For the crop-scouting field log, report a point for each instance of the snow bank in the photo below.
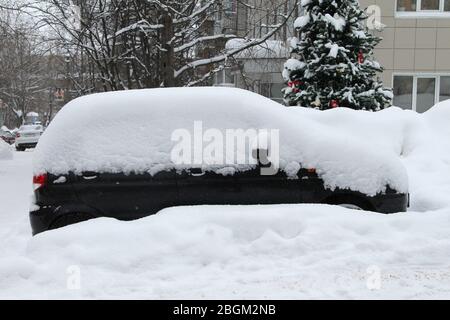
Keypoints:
(5, 151)
(285, 251)
(131, 131)
(420, 141)
(252, 252)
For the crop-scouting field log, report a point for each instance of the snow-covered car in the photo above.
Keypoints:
(86, 165)
(28, 136)
(7, 136)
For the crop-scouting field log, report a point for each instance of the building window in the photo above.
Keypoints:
(426, 94)
(229, 7)
(430, 5)
(225, 77)
(403, 91)
(420, 92)
(406, 5)
(424, 8)
(444, 88)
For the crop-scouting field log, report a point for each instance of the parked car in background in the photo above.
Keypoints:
(97, 171)
(32, 118)
(28, 136)
(7, 136)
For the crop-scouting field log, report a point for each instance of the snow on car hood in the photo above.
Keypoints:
(130, 131)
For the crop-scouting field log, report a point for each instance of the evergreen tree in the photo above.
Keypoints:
(331, 64)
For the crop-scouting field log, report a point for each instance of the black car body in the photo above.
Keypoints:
(63, 200)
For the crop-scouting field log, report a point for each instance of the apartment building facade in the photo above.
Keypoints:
(257, 69)
(415, 50)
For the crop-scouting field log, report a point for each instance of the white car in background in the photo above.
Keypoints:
(28, 136)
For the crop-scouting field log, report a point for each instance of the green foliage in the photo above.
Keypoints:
(331, 62)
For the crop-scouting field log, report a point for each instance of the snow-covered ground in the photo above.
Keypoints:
(283, 251)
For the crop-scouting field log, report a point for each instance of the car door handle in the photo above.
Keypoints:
(90, 175)
(198, 174)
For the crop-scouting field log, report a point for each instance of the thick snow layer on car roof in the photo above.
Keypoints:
(130, 131)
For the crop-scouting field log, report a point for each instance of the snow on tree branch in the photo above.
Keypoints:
(202, 39)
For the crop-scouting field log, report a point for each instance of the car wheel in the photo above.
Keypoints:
(70, 218)
(350, 202)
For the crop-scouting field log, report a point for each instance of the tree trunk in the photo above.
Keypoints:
(167, 57)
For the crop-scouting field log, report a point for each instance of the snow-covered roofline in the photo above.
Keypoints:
(270, 49)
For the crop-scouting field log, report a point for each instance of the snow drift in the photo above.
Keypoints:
(5, 151)
(284, 252)
(260, 252)
(420, 141)
(130, 131)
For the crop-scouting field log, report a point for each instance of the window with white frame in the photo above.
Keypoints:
(225, 77)
(229, 7)
(432, 8)
(421, 91)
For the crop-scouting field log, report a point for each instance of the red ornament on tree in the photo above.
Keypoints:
(360, 57)
(334, 103)
(294, 85)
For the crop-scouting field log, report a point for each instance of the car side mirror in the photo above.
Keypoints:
(265, 150)
(262, 157)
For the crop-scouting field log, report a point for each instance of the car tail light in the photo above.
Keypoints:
(311, 170)
(39, 181)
